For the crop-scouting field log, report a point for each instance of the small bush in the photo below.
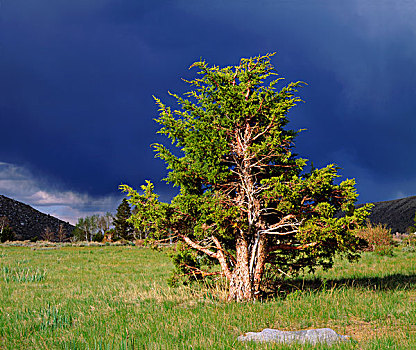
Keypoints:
(7, 234)
(378, 237)
(98, 237)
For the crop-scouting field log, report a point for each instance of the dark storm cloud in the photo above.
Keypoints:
(358, 59)
(72, 90)
(375, 68)
(76, 80)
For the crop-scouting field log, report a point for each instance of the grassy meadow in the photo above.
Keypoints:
(118, 298)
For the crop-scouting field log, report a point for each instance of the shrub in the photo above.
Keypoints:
(378, 237)
(7, 234)
(98, 237)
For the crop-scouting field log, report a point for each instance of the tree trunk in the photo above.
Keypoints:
(245, 284)
(241, 285)
(260, 264)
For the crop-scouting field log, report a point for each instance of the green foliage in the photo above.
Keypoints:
(123, 228)
(92, 228)
(98, 237)
(240, 180)
(186, 265)
(78, 233)
(151, 217)
(86, 228)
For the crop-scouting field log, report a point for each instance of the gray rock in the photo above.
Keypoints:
(311, 336)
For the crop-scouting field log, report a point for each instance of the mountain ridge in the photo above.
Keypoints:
(29, 223)
(396, 214)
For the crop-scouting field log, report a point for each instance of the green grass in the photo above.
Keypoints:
(118, 298)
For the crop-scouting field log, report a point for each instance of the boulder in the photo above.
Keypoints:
(311, 336)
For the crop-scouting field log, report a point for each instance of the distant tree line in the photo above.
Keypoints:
(93, 228)
(107, 227)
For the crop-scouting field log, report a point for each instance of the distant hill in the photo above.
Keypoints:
(397, 214)
(29, 223)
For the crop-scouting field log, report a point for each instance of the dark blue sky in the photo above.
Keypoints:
(77, 79)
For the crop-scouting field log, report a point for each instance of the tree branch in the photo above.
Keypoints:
(290, 247)
(196, 271)
(221, 258)
(199, 247)
(282, 224)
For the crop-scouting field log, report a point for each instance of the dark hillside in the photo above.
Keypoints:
(397, 214)
(29, 223)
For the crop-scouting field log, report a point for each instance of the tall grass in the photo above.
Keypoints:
(118, 298)
(22, 274)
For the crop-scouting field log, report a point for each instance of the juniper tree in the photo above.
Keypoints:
(246, 200)
(123, 228)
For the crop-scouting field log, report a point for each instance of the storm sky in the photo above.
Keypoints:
(77, 79)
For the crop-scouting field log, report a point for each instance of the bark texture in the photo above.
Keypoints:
(241, 286)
